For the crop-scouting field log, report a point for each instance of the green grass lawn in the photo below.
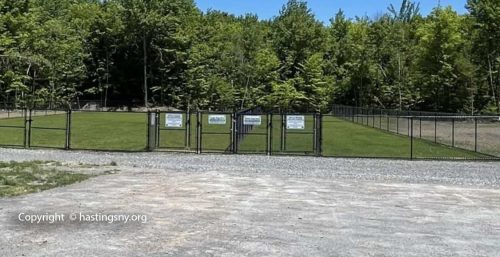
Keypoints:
(30, 177)
(346, 139)
(215, 138)
(12, 131)
(109, 131)
(128, 132)
(96, 131)
(341, 138)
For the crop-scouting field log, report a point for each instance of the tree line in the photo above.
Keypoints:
(168, 52)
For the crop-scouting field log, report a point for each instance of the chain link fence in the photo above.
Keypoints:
(346, 132)
(477, 134)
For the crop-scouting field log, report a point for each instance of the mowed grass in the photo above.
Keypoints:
(30, 177)
(342, 138)
(12, 131)
(89, 130)
(346, 139)
(128, 132)
(215, 138)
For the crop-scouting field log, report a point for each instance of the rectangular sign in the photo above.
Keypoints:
(217, 119)
(173, 120)
(295, 122)
(253, 120)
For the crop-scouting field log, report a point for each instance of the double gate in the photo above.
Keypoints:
(250, 132)
(240, 133)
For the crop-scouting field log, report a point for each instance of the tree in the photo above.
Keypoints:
(105, 32)
(284, 96)
(296, 36)
(169, 53)
(315, 88)
(153, 31)
(486, 20)
(442, 47)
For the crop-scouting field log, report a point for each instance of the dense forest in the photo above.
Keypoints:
(169, 53)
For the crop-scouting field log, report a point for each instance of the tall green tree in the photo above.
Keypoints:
(296, 36)
(442, 53)
(486, 37)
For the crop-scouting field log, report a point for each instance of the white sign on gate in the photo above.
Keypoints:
(295, 122)
(173, 120)
(253, 120)
(217, 119)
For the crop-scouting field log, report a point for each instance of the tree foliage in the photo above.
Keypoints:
(167, 52)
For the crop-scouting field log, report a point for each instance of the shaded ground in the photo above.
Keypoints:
(259, 206)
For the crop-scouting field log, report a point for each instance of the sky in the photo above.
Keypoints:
(323, 9)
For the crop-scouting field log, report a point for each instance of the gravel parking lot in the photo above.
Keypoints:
(226, 205)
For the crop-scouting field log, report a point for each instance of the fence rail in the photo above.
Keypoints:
(346, 132)
(480, 134)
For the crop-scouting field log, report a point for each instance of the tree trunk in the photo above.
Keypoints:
(144, 49)
(107, 80)
(399, 83)
(246, 92)
(493, 89)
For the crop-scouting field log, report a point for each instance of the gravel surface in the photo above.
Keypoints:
(225, 205)
(483, 174)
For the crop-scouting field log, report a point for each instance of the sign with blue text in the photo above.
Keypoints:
(252, 120)
(173, 120)
(295, 122)
(217, 119)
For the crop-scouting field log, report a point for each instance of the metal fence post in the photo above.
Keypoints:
(25, 114)
(453, 132)
(435, 128)
(68, 130)
(411, 139)
(367, 117)
(187, 134)
(388, 123)
(315, 133)
(380, 120)
(30, 121)
(282, 133)
(233, 137)
(199, 132)
(420, 124)
(269, 134)
(397, 123)
(148, 130)
(320, 139)
(157, 118)
(408, 114)
(152, 128)
(373, 118)
(475, 134)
